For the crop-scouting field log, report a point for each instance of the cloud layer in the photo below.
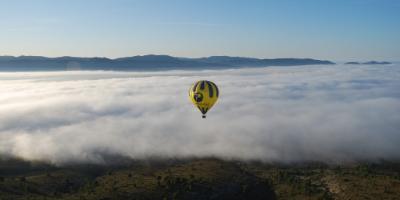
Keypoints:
(309, 113)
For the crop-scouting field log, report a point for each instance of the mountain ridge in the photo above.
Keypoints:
(145, 62)
(373, 62)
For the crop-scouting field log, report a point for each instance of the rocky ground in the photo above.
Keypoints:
(198, 179)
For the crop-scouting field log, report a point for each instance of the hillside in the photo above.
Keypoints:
(198, 179)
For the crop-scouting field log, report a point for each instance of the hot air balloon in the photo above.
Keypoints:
(203, 95)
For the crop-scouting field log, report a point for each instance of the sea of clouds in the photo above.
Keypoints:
(329, 113)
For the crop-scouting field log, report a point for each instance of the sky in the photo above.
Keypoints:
(340, 30)
(340, 114)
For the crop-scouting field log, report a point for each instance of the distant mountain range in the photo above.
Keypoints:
(146, 62)
(368, 63)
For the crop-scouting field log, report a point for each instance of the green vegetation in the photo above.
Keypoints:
(198, 179)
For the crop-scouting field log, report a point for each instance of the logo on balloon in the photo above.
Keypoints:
(198, 97)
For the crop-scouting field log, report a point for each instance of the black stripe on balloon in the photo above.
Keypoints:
(202, 85)
(210, 90)
(195, 86)
(200, 109)
(216, 89)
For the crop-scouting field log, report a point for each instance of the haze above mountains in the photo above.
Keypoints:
(146, 62)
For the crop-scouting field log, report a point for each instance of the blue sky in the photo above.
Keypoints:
(324, 29)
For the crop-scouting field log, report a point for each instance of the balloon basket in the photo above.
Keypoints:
(203, 116)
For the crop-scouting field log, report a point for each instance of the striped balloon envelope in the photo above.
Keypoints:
(203, 95)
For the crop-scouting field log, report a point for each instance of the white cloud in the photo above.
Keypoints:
(321, 113)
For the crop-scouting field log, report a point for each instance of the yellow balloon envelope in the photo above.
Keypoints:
(203, 95)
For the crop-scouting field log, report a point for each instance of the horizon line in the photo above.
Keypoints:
(140, 55)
